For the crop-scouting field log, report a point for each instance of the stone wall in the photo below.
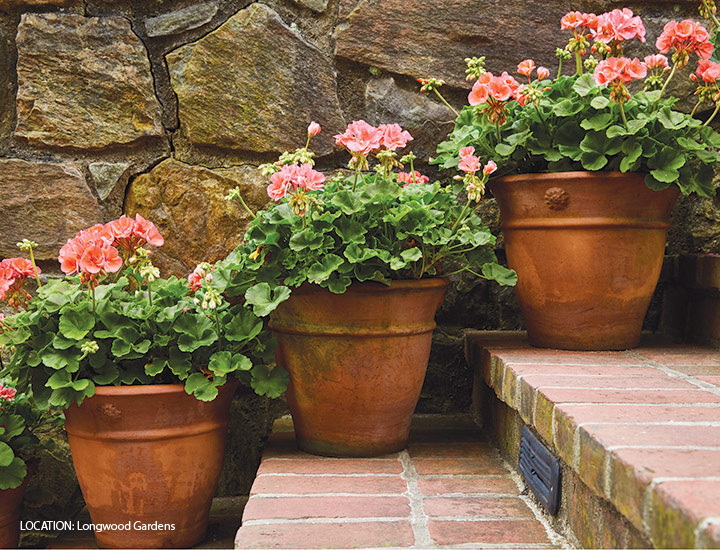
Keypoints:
(159, 107)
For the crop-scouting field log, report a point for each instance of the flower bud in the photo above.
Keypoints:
(313, 129)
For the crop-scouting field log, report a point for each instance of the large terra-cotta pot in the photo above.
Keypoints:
(148, 456)
(357, 362)
(588, 248)
(10, 505)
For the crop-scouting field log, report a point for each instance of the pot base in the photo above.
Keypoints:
(357, 450)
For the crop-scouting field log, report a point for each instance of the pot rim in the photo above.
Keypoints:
(373, 286)
(564, 176)
(148, 389)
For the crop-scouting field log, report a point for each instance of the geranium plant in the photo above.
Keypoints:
(113, 321)
(613, 114)
(362, 225)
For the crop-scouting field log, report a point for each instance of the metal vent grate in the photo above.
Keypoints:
(541, 470)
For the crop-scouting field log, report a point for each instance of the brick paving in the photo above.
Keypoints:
(641, 428)
(449, 489)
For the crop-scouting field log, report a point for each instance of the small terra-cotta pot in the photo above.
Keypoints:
(357, 363)
(588, 248)
(10, 505)
(148, 456)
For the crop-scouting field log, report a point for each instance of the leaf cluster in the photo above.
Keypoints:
(576, 126)
(68, 342)
(362, 228)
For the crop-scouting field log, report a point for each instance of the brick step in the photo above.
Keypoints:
(449, 489)
(638, 433)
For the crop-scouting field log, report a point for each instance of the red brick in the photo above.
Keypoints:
(581, 414)
(477, 466)
(695, 370)
(633, 469)
(331, 466)
(677, 509)
(478, 485)
(487, 532)
(591, 467)
(612, 435)
(562, 395)
(543, 418)
(536, 356)
(653, 381)
(570, 370)
(684, 356)
(715, 379)
(456, 450)
(368, 485)
(326, 507)
(396, 534)
(477, 507)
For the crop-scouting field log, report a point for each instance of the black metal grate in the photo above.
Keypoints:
(541, 470)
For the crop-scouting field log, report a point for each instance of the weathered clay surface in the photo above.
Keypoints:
(424, 39)
(44, 202)
(83, 82)
(181, 20)
(254, 84)
(187, 204)
(428, 122)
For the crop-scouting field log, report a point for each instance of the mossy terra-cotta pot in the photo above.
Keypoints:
(357, 363)
(588, 248)
(10, 504)
(147, 457)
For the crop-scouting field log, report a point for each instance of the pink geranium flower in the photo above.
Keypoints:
(489, 168)
(99, 259)
(7, 393)
(620, 25)
(685, 37)
(407, 177)
(360, 137)
(576, 19)
(465, 151)
(656, 61)
(526, 67)
(469, 164)
(543, 73)
(394, 137)
(707, 70)
(308, 178)
(147, 230)
(313, 129)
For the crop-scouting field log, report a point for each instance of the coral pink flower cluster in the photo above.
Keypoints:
(616, 25)
(489, 87)
(94, 251)
(407, 178)
(619, 70)
(13, 272)
(685, 37)
(7, 393)
(707, 71)
(292, 177)
(656, 61)
(199, 275)
(361, 138)
(470, 164)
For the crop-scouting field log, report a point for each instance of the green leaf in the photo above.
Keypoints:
(350, 231)
(503, 275)
(202, 388)
(14, 425)
(584, 85)
(672, 120)
(61, 359)
(243, 327)
(264, 300)
(271, 382)
(76, 321)
(13, 475)
(598, 122)
(6, 454)
(156, 366)
(321, 270)
(347, 201)
(412, 254)
(306, 240)
(633, 150)
(599, 102)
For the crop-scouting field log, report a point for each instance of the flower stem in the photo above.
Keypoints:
(622, 112)
(445, 102)
(692, 113)
(92, 296)
(712, 116)
(150, 293)
(669, 78)
(559, 68)
(242, 201)
(35, 270)
(497, 127)
(578, 64)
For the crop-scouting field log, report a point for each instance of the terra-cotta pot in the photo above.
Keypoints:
(588, 248)
(148, 460)
(10, 504)
(357, 362)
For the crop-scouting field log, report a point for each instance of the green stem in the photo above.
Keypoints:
(92, 296)
(445, 102)
(217, 324)
(497, 127)
(622, 112)
(692, 113)
(559, 68)
(242, 201)
(357, 173)
(35, 270)
(460, 217)
(537, 109)
(669, 78)
(412, 170)
(578, 64)
(712, 116)
(150, 293)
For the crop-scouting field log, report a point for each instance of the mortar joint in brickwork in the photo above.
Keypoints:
(418, 517)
